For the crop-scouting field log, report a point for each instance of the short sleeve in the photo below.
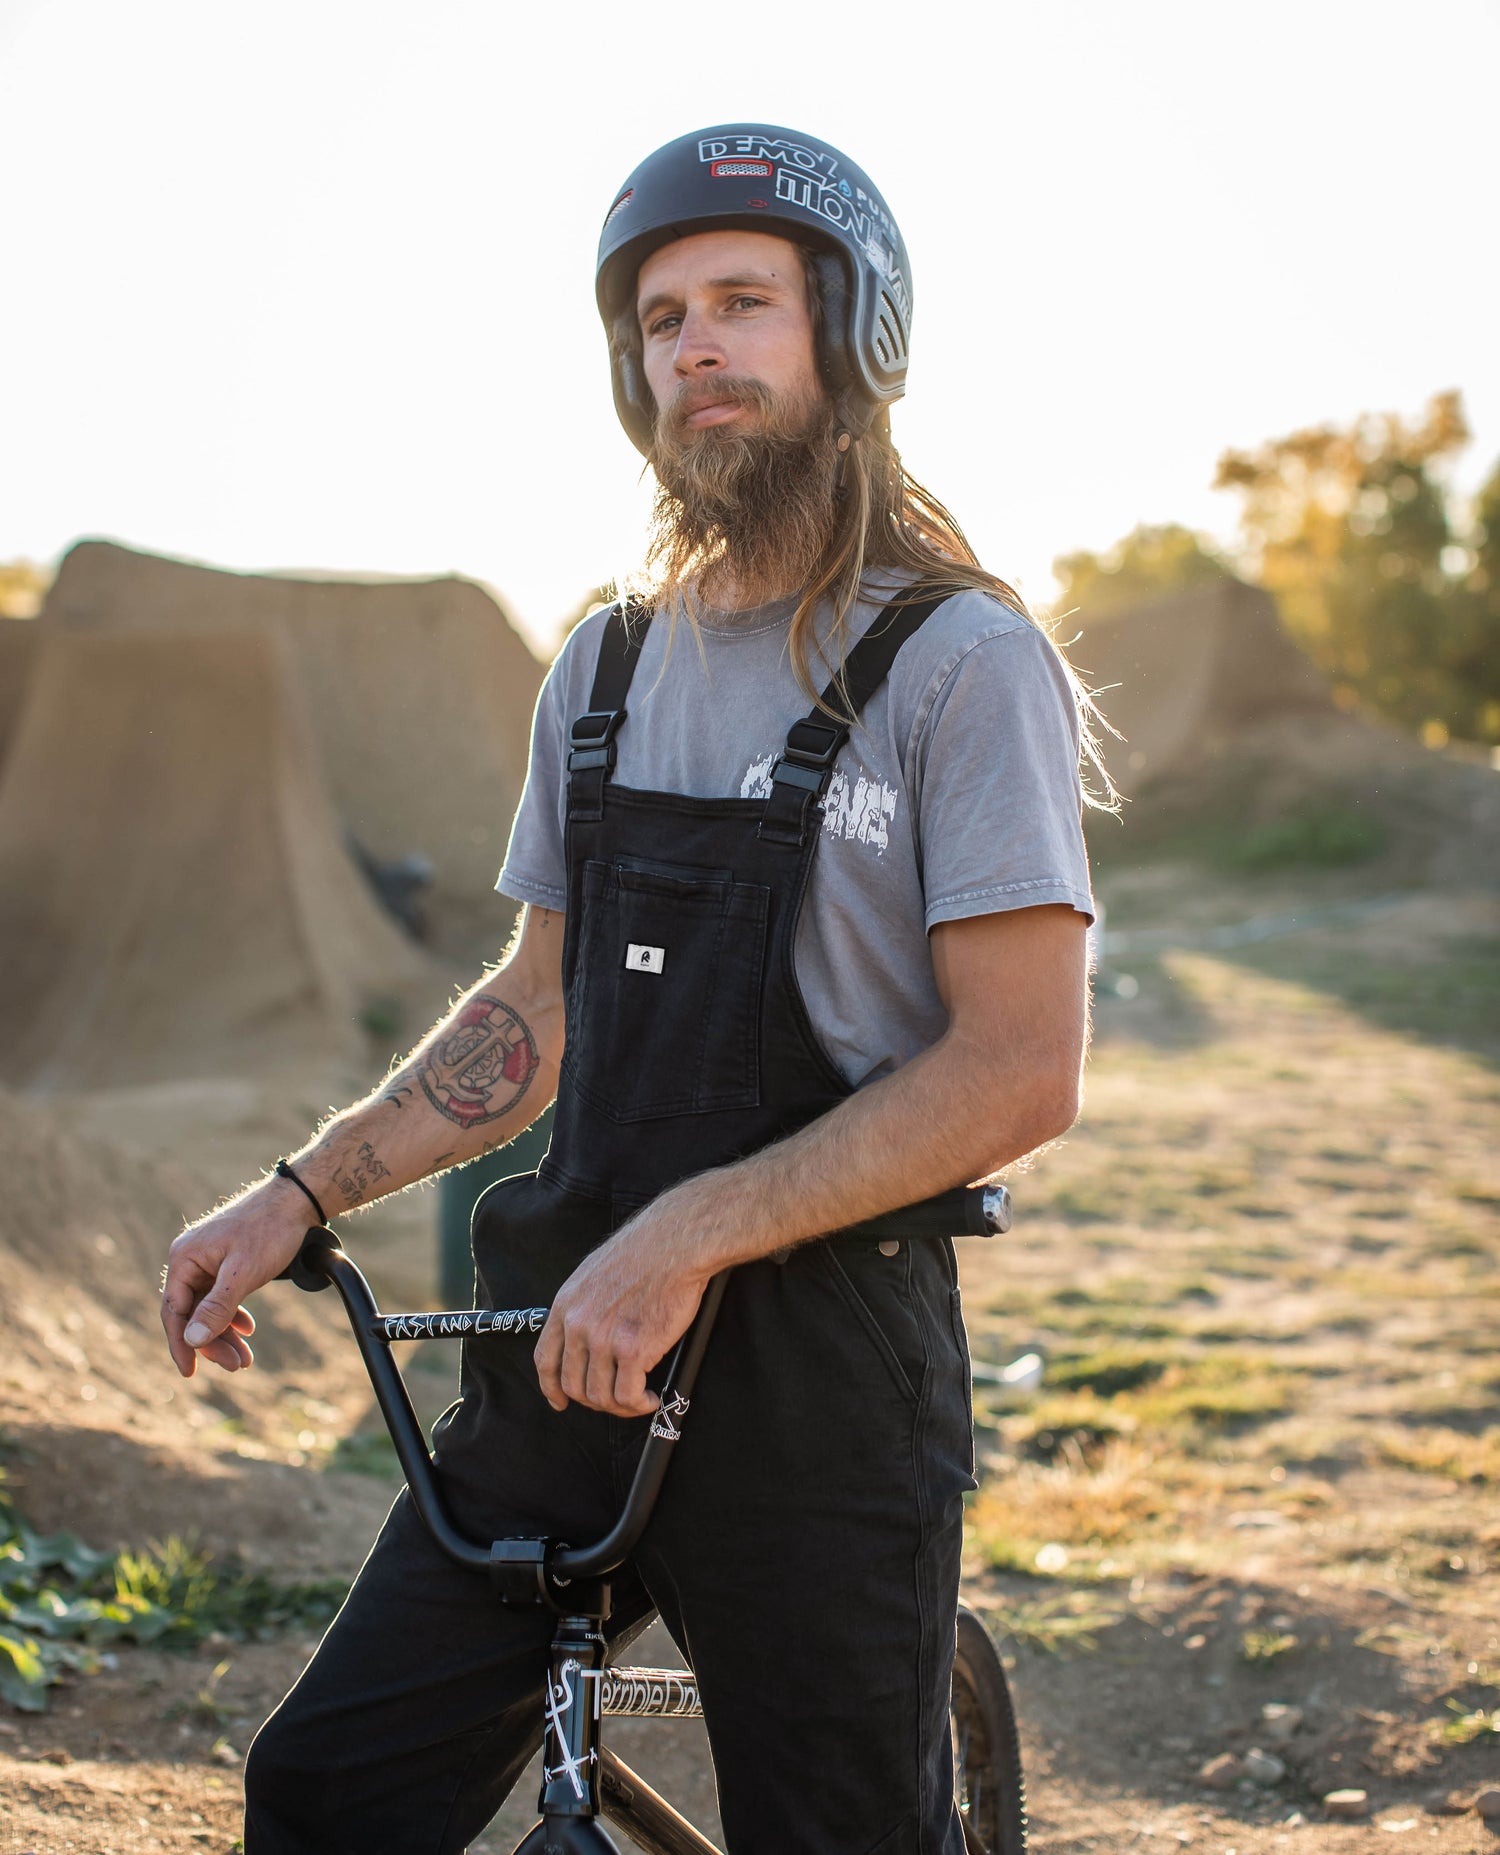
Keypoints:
(535, 868)
(998, 800)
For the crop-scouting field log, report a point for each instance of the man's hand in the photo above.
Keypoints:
(619, 1312)
(1001, 1081)
(219, 1261)
(482, 1075)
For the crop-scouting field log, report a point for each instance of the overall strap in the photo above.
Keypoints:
(800, 776)
(591, 745)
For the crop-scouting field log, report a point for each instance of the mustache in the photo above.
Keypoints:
(694, 395)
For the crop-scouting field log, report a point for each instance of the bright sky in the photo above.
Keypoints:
(309, 283)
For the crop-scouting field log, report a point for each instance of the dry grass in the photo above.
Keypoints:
(1068, 1503)
(1264, 1262)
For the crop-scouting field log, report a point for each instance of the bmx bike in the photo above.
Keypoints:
(581, 1778)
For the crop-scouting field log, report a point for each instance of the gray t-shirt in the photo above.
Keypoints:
(957, 795)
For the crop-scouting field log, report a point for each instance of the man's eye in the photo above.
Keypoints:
(747, 302)
(663, 325)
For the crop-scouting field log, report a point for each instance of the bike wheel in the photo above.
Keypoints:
(986, 1747)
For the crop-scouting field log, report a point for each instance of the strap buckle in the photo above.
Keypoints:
(813, 743)
(811, 748)
(592, 740)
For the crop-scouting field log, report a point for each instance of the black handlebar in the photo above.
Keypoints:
(531, 1570)
(966, 1211)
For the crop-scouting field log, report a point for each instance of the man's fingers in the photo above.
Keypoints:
(217, 1311)
(179, 1299)
(599, 1383)
(574, 1372)
(632, 1399)
(228, 1351)
(548, 1358)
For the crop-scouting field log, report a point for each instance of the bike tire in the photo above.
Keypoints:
(989, 1789)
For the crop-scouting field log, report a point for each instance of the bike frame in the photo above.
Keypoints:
(579, 1778)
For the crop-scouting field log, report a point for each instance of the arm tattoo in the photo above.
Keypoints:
(394, 1094)
(481, 1068)
(358, 1177)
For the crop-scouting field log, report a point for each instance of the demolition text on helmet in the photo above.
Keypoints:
(767, 148)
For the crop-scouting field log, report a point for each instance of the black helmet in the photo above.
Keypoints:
(770, 180)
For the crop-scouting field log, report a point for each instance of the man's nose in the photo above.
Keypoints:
(698, 350)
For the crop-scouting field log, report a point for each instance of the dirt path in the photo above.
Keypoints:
(1261, 1474)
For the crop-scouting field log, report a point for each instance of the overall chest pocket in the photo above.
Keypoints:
(664, 998)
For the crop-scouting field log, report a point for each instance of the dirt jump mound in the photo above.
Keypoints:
(1180, 675)
(175, 898)
(419, 694)
(18, 641)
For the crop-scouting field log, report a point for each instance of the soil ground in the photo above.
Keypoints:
(1261, 1471)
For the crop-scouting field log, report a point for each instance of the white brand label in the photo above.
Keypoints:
(645, 959)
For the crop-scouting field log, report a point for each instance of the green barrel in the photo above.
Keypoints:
(457, 1192)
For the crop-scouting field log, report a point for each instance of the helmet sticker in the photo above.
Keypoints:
(623, 201)
(808, 177)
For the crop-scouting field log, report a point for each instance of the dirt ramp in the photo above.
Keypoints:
(1182, 674)
(18, 642)
(102, 1435)
(420, 694)
(175, 899)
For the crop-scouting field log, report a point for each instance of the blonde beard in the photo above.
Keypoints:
(740, 518)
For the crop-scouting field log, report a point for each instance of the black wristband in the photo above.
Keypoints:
(284, 1171)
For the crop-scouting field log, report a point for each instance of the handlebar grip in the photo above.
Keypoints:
(966, 1211)
(306, 1268)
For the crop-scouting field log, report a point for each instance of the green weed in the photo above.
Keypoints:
(1437, 1450)
(1464, 1728)
(1219, 1392)
(369, 1452)
(1261, 1648)
(1071, 1620)
(205, 1708)
(1107, 1372)
(61, 1602)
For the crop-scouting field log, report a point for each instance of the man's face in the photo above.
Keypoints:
(720, 312)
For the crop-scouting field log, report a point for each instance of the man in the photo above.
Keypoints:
(782, 975)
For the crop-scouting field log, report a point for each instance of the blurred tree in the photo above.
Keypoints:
(1354, 532)
(1149, 563)
(1483, 587)
(23, 587)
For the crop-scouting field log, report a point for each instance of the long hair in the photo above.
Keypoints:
(884, 523)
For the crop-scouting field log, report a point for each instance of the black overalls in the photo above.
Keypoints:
(805, 1549)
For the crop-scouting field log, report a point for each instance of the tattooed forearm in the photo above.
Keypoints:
(359, 1178)
(482, 1067)
(396, 1094)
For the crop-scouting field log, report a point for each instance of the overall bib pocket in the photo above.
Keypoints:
(664, 996)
